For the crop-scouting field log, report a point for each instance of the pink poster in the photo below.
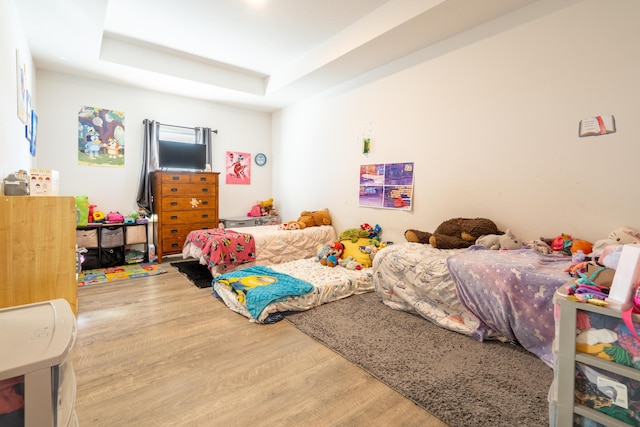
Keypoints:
(238, 168)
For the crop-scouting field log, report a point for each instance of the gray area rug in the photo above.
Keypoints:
(463, 382)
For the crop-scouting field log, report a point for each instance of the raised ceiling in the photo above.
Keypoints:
(261, 54)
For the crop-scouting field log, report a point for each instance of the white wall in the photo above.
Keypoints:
(60, 99)
(14, 147)
(492, 129)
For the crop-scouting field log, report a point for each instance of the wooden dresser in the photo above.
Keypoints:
(37, 250)
(182, 202)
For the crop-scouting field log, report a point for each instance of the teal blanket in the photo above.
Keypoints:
(256, 287)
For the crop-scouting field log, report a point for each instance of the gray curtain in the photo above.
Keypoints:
(204, 137)
(149, 164)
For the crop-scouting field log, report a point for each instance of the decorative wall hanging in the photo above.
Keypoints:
(21, 76)
(100, 137)
(386, 185)
(27, 123)
(238, 168)
(599, 125)
(34, 133)
(261, 159)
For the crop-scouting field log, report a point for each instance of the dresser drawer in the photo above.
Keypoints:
(190, 217)
(188, 190)
(175, 236)
(168, 178)
(185, 204)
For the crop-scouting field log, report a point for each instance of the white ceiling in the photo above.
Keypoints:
(262, 54)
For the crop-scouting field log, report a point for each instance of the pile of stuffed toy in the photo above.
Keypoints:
(355, 249)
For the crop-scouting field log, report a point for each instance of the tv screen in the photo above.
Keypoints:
(181, 155)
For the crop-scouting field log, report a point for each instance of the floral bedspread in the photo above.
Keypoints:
(223, 248)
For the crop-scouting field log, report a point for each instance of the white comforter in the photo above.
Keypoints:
(330, 284)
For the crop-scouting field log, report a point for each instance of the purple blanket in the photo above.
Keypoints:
(511, 292)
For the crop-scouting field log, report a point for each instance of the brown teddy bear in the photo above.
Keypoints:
(455, 233)
(311, 219)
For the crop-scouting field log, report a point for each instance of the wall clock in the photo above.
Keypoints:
(261, 159)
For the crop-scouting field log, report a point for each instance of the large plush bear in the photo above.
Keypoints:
(315, 218)
(455, 233)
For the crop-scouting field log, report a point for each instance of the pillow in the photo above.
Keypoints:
(353, 249)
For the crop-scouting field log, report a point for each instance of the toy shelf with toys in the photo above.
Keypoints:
(113, 244)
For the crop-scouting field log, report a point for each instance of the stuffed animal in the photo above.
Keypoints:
(292, 225)
(267, 209)
(350, 263)
(353, 234)
(255, 210)
(455, 233)
(500, 241)
(332, 254)
(311, 219)
(374, 232)
(568, 245)
(620, 236)
(322, 252)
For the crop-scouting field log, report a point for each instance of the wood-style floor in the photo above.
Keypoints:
(158, 351)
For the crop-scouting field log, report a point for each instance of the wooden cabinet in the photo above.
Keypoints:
(182, 202)
(37, 250)
(566, 358)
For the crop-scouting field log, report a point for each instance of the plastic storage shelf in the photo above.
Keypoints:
(566, 408)
(35, 348)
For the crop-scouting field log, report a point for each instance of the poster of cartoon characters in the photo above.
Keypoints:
(100, 137)
(238, 168)
(386, 185)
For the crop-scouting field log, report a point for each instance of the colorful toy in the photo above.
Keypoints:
(90, 216)
(353, 234)
(332, 254)
(567, 244)
(98, 216)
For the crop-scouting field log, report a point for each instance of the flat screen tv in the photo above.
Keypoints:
(181, 155)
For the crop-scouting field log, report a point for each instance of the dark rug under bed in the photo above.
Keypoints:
(463, 382)
(197, 273)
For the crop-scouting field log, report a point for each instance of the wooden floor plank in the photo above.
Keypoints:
(157, 351)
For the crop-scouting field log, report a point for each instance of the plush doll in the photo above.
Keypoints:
(500, 241)
(353, 234)
(255, 210)
(292, 225)
(455, 233)
(321, 217)
(620, 236)
(568, 245)
(332, 254)
(311, 219)
(350, 263)
(266, 208)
